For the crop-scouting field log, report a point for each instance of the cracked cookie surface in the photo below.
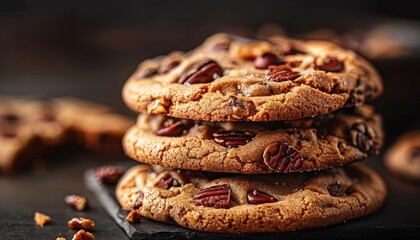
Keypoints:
(403, 158)
(251, 203)
(309, 144)
(229, 78)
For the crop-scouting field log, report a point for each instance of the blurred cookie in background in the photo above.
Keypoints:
(33, 128)
(403, 158)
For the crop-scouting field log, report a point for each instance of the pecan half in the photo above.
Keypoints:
(76, 202)
(81, 223)
(281, 73)
(282, 158)
(83, 235)
(204, 71)
(109, 173)
(332, 64)
(232, 138)
(257, 197)
(216, 196)
(362, 137)
(174, 128)
(266, 59)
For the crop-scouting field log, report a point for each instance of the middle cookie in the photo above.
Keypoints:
(310, 144)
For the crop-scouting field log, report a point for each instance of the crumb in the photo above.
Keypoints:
(41, 219)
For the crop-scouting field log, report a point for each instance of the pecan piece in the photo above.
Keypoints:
(266, 59)
(204, 71)
(81, 223)
(362, 137)
(158, 106)
(282, 158)
(332, 64)
(281, 73)
(139, 200)
(216, 196)
(76, 202)
(258, 197)
(232, 138)
(171, 128)
(41, 219)
(133, 216)
(169, 182)
(83, 235)
(109, 173)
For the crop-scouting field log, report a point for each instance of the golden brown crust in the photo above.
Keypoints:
(302, 200)
(246, 93)
(323, 142)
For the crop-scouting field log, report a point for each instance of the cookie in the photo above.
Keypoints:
(31, 128)
(251, 203)
(229, 78)
(27, 128)
(94, 126)
(403, 158)
(309, 144)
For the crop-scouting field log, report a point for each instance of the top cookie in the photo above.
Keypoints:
(229, 78)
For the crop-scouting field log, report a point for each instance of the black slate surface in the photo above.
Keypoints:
(399, 217)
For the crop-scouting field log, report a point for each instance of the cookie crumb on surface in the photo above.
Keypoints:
(41, 219)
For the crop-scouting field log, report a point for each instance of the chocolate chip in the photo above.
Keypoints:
(233, 138)
(204, 71)
(282, 158)
(216, 196)
(361, 136)
(257, 197)
(336, 190)
(266, 59)
(169, 182)
(331, 65)
(168, 67)
(281, 73)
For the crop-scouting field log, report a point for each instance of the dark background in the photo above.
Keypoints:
(88, 49)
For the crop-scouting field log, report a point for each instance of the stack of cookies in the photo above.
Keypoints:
(252, 136)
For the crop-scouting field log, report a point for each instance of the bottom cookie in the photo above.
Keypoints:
(403, 158)
(251, 203)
